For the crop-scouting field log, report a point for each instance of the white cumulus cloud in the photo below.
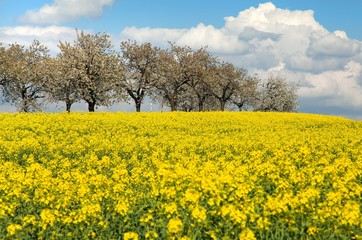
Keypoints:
(340, 87)
(65, 10)
(49, 36)
(267, 39)
(263, 39)
(256, 33)
(333, 45)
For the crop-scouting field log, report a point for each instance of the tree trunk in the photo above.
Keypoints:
(138, 105)
(222, 105)
(173, 103)
(91, 106)
(25, 108)
(137, 97)
(201, 106)
(201, 100)
(239, 105)
(173, 107)
(24, 99)
(68, 105)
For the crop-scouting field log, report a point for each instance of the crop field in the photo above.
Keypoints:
(180, 176)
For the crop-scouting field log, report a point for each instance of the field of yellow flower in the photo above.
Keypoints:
(180, 176)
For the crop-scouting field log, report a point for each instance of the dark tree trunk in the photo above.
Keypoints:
(172, 99)
(68, 105)
(91, 106)
(137, 97)
(173, 107)
(201, 100)
(222, 105)
(138, 105)
(201, 106)
(24, 99)
(239, 105)
(173, 104)
(92, 100)
(25, 108)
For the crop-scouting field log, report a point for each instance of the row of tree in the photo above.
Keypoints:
(89, 69)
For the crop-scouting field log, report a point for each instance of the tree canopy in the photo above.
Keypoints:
(91, 70)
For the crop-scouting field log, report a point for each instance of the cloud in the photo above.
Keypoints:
(251, 33)
(148, 34)
(267, 39)
(340, 87)
(65, 10)
(262, 32)
(333, 45)
(49, 36)
(217, 40)
(263, 39)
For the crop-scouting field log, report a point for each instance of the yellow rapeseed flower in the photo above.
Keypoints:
(174, 225)
(247, 234)
(199, 213)
(165, 175)
(130, 236)
(13, 228)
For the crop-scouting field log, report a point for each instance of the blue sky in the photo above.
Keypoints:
(333, 15)
(317, 43)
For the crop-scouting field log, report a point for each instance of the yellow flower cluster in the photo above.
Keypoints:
(176, 175)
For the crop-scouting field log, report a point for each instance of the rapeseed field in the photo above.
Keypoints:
(180, 176)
